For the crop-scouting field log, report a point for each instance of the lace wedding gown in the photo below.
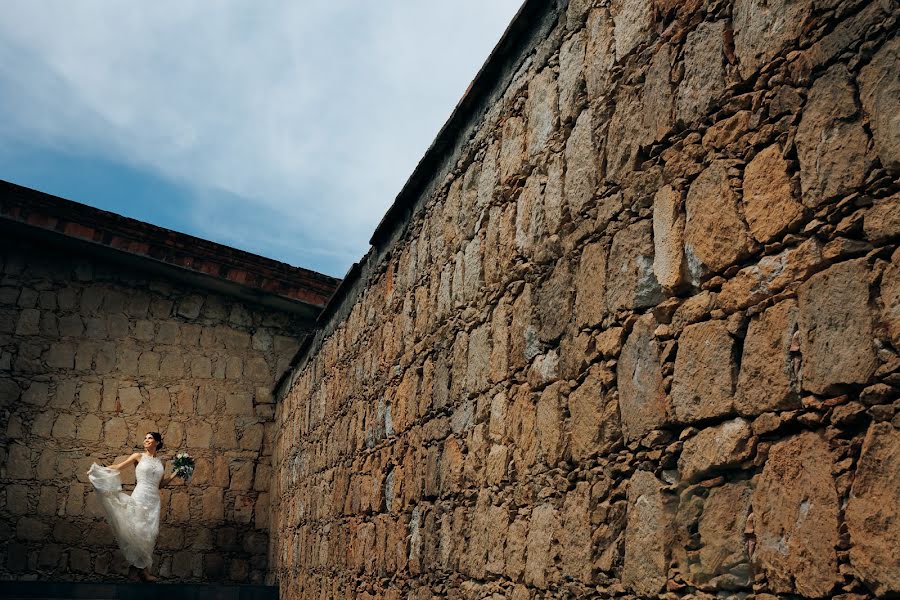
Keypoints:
(134, 519)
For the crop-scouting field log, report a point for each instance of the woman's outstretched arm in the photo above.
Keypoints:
(134, 458)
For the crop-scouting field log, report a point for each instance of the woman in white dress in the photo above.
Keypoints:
(134, 519)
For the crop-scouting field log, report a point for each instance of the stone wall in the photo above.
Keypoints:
(92, 356)
(639, 336)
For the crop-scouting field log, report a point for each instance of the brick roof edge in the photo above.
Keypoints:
(111, 233)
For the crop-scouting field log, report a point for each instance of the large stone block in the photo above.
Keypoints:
(542, 111)
(768, 380)
(705, 373)
(600, 54)
(879, 90)
(594, 412)
(539, 562)
(716, 448)
(631, 282)
(571, 76)
(723, 561)
(590, 285)
(642, 397)
(763, 28)
(582, 170)
(554, 303)
(795, 509)
(633, 20)
(668, 238)
(648, 535)
(704, 71)
(831, 144)
(873, 511)
(836, 329)
(890, 299)
(769, 204)
(715, 236)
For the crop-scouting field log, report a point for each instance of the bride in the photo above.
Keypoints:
(134, 519)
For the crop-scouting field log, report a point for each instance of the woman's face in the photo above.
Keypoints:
(149, 442)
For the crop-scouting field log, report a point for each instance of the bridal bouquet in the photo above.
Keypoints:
(183, 465)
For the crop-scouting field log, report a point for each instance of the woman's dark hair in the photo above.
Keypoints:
(158, 438)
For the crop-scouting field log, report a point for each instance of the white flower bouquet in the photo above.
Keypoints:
(183, 465)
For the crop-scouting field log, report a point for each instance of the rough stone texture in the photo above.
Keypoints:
(704, 71)
(763, 28)
(646, 424)
(769, 204)
(715, 236)
(836, 328)
(703, 387)
(795, 510)
(642, 397)
(647, 536)
(872, 513)
(630, 266)
(154, 357)
(831, 143)
(725, 445)
(768, 379)
(879, 91)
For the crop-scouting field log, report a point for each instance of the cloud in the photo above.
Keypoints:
(290, 123)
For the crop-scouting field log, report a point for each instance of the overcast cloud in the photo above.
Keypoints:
(284, 128)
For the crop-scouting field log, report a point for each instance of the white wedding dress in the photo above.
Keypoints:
(134, 519)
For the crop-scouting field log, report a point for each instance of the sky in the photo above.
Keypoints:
(283, 128)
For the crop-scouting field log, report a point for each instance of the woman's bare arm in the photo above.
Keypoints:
(134, 458)
(166, 480)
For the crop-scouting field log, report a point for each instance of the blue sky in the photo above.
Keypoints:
(281, 128)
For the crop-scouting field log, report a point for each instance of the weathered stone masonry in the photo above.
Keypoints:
(630, 329)
(110, 328)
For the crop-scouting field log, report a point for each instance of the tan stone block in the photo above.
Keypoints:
(172, 365)
(183, 397)
(831, 145)
(882, 220)
(541, 110)
(648, 535)
(499, 360)
(631, 282)
(548, 424)
(871, 514)
(115, 432)
(594, 416)
(199, 434)
(879, 91)
(575, 546)
(179, 507)
(257, 369)
(48, 500)
(723, 557)
(495, 465)
(243, 509)
(715, 448)
(571, 76)
(771, 275)
(769, 204)
(482, 182)
(703, 386)
(582, 168)
(668, 238)
(234, 367)
(554, 302)
(590, 285)
(762, 29)
(767, 379)
(512, 147)
(130, 399)
(89, 428)
(836, 328)
(600, 55)
(642, 397)
(633, 21)
(795, 510)
(715, 236)
(213, 505)
(703, 81)
(241, 475)
(539, 568)
(148, 364)
(89, 396)
(75, 499)
(64, 427)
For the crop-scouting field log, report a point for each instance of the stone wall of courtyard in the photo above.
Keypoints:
(638, 335)
(92, 356)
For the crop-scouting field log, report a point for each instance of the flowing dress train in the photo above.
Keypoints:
(134, 519)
